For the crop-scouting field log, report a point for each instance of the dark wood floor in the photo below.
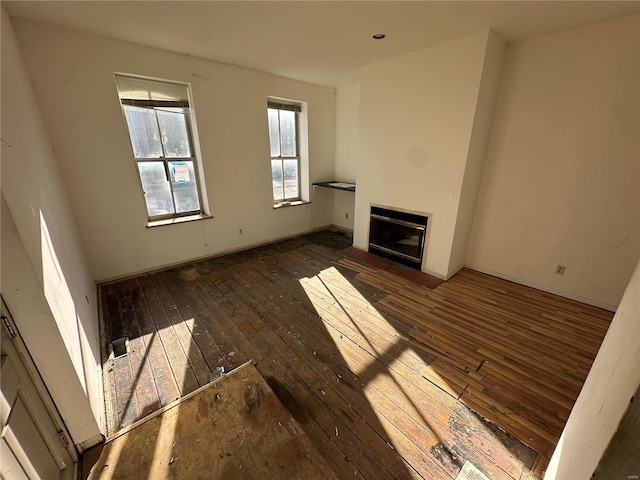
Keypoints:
(388, 379)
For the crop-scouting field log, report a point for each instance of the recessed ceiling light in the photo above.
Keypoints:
(379, 36)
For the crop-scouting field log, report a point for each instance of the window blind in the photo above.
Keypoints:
(294, 107)
(146, 92)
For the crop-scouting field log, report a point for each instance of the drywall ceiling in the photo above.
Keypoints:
(322, 42)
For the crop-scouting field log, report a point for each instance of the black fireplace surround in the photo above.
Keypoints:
(396, 235)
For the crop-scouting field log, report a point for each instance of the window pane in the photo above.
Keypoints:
(173, 127)
(157, 192)
(288, 133)
(277, 180)
(143, 131)
(185, 191)
(290, 179)
(274, 132)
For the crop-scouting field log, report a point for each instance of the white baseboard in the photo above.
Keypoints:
(435, 274)
(333, 226)
(454, 271)
(220, 253)
(441, 276)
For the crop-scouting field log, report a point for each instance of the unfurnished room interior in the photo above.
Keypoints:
(318, 239)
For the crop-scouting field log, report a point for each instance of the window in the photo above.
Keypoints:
(285, 151)
(158, 119)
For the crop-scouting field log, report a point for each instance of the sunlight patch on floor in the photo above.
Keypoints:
(389, 372)
(338, 319)
(160, 466)
(183, 363)
(349, 319)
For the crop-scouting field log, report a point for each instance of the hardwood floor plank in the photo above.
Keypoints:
(143, 382)
(178, 361)
(342, 465)
(155, 355)
(489, 322)
(343, 345)
(126, 399)
(428, 407)
(373, 357)
(539, 439)
(503, 376)
(353, 398)
(114, 328)
(304, 361)
(183, 332)
(107, 309)
(252, 346)
(194, 315)
(358, 453)
(317, 420)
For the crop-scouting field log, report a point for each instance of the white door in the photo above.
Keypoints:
(31, 445)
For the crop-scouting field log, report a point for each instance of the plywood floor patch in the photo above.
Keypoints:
(234, 428)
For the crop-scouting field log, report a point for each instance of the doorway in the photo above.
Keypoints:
(34, 443)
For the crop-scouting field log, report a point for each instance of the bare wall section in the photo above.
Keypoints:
(72, 75)
(561, 183)
(45, 278)
(346, 156)
(482, 122)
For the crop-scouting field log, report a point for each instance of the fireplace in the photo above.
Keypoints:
(396, 235)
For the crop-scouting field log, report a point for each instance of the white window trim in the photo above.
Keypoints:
(196, 157)
(302, 141)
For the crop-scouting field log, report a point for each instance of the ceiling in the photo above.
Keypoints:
(321, 42)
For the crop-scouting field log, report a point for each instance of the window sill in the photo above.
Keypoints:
(291, 204)
(172, 221)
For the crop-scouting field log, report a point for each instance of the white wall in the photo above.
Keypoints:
(561, 183)
(347, 152)
(604, 398)
(482, 122)
(72, 75)
(417, 114)
(45, 279)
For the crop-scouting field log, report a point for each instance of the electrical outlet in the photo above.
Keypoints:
(240, 231)
(560, 269)
(346, 215)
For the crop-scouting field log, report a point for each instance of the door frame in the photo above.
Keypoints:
(25, 357)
